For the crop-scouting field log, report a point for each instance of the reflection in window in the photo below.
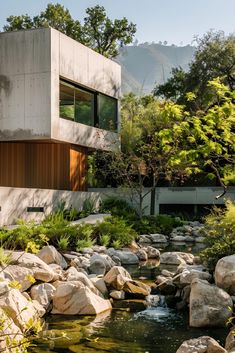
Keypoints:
(66, 101)
(107, 112)
(89, 108)
(84, 107)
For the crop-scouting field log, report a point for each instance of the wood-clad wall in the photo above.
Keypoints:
(43, 165)
(78, 168)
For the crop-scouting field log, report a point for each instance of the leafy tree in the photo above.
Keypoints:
(214, 57)
(164, 140)
(105, 35)
(98, 32)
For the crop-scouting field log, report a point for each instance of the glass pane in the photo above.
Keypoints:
(107, 113)
(66, 102)
(84, 107)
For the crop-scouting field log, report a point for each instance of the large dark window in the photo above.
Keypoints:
(107, 107)
(86, 107)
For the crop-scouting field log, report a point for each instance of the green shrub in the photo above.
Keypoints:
(117, 230)
(26, 235)
(85, 236)
(117, 207)
(219, 234)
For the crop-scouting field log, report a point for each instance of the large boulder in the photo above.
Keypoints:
(136, 290)
(153, 253)
(50, 255)
(158, 238)
(20, 274)
(100, 264)
(19, 309)
(225, 274)
(204, 344)
(72, 275)
(176, 258)
(188, 275)
(10, 331)
(209, 305)
(40, 270)
(73, 298)
(117, 277)
(125, 256)
(43, 293)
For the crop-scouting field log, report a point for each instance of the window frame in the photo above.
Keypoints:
(96, 95)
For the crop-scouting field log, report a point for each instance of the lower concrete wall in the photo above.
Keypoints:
(172, 196)
(14, 202)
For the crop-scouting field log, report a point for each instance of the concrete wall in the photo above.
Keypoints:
(31, 64)
(15, 201)
(25, 88)
(79, 64)
(172, 195)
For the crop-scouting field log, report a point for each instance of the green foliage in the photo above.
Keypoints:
(27, 235)
(5, 258)
(214, 57)
(105, 240)
(219, 234)
(63, 243)
(117, 207)
(117, 230)
(84, 238)
(105, 35)
(154, 224)
(98, 32)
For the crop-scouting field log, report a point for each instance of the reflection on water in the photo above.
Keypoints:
(154, 330)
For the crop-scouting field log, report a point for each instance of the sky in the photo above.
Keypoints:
(174, 21)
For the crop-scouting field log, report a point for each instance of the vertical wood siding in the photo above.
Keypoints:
(43, 165)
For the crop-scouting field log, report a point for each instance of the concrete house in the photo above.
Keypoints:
(58, 102)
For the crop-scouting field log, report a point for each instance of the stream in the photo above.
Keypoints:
(157, 329)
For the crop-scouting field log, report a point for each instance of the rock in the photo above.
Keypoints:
(189, 239)
(165, 285)
(136, 290)
(142, 255)
(153, 253)
(19, 274)
(200, 239)
(100, 264)
(73, 275)
(167, 273)
(57, 269)
(117, 277)
(158, 238)
(176, 258)
(230, 342)
(179, 238)
(19, 309)
(208, 305)
(73, 298)
(117, 294)
(50, 255)
(126, 257)
(99, 283)
(144, 239)
(10, 330)
(41, 271)
(43, 293)
(171, 258)
(225, 274)
(81, 262)
(92, 219)
(188, 275)
(204, 344)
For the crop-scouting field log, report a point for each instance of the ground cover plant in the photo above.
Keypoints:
(219, 234)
